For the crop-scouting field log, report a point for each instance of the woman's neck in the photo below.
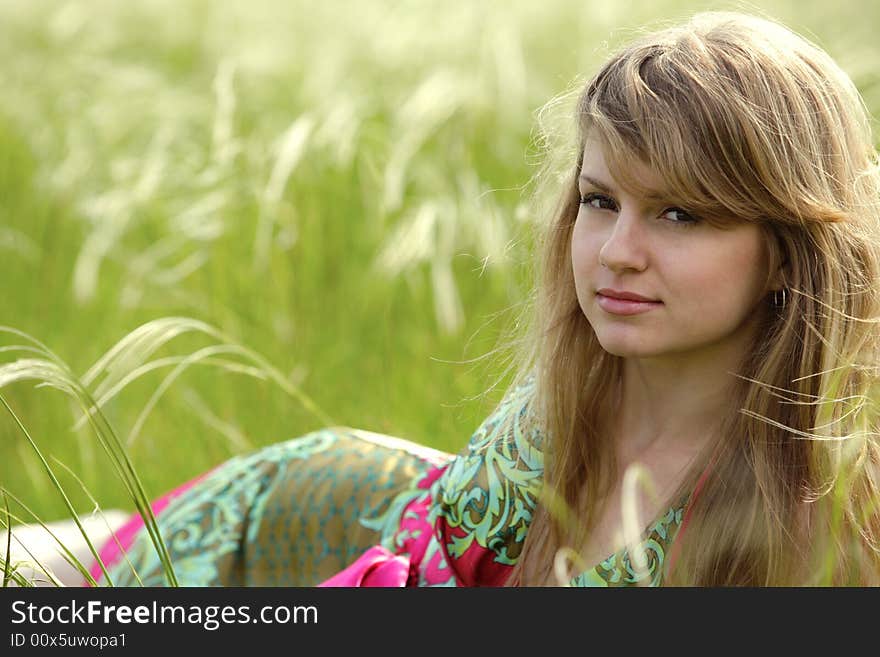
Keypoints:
(671, 406)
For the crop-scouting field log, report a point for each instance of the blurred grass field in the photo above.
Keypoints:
(340, 187)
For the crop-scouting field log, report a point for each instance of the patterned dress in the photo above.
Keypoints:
(345, 507)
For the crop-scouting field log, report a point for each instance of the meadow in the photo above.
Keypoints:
(335, 200)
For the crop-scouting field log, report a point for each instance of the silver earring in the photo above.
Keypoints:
(780, 298)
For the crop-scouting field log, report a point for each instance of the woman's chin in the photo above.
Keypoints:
(626, 348)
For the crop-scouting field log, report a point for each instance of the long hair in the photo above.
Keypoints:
(745, 122)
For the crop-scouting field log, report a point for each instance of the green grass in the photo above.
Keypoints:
(341, 188)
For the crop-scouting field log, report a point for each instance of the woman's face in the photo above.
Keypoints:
(704, 283)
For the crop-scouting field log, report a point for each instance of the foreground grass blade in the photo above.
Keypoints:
(52, 371)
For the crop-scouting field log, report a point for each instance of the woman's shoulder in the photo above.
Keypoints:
(488, 493)
(512, 427)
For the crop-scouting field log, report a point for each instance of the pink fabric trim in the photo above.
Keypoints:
(375, 567)
(477, 565)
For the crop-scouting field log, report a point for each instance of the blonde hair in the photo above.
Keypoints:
(745, 122)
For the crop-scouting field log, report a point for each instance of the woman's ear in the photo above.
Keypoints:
(779, 277)
(779, 274)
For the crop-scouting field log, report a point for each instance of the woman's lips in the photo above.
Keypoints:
(625, 306)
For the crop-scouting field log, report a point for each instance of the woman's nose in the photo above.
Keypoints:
(625, 246)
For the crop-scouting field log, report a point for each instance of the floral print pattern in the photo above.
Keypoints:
(301, 511)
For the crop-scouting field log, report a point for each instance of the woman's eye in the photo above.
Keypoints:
(598, 201)
(679, 216)
(674, 215)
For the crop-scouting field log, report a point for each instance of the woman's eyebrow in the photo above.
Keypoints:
(598, 184)
(595, 183)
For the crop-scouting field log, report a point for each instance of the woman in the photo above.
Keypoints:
(702, 356)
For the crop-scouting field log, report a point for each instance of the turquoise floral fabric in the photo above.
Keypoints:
(297, 512)
(487, 497)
